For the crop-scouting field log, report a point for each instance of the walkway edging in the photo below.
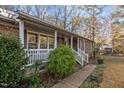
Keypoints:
(77, 78)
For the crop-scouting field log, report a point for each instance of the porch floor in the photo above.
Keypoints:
(76, 79)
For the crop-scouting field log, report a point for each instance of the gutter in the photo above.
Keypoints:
(7, 19)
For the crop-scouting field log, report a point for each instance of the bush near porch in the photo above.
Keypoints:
(12, 59)
(61, 61)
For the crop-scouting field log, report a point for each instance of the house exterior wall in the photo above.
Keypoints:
(60, 40)
(8, 30)
(82, 44)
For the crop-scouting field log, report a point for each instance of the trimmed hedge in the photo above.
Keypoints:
(12, 59)
(61, 61)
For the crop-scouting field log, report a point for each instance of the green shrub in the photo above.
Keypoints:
(61, 61)
(12, 60)
(35, 80)
(100, 60)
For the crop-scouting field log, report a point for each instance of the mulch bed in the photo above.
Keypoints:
(48, 80)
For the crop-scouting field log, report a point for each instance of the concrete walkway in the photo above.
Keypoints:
(76, 79)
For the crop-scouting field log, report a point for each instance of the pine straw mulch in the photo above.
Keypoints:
(113, 76)
(48, 80)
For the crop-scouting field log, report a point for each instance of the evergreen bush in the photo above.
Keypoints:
(12, 60)
(61, 61)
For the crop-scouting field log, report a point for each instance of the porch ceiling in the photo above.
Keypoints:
(43, 29)
(38, 28)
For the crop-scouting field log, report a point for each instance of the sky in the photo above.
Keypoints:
(108, 10)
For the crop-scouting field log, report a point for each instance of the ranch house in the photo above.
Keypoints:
(39, 37)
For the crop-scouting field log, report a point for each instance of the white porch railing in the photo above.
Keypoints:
(78, 57)
(84, 56)
(36, 54)
(42, 54)
(81, 56)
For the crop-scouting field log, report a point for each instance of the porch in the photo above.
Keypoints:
(39, 45)
(39, 40)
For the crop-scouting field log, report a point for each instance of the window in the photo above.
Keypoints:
(51, 42)
(32, 41)
(43, 42)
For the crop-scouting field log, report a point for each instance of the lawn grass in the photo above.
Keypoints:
(95, 78)
(113, 65)
(114, 59)
(113, 74)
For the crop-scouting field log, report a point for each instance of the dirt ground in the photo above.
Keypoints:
(113, 76)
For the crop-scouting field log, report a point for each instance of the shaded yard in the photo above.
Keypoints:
(113, 75)
(108, 75)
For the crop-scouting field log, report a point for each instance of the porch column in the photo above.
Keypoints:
(66, 40)
(55, 39)
(71, 41)
(27, 39)
(84, 45)
(78, 39)
(48, 42)
(80, 44)
(38, 41)
(21, 31)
